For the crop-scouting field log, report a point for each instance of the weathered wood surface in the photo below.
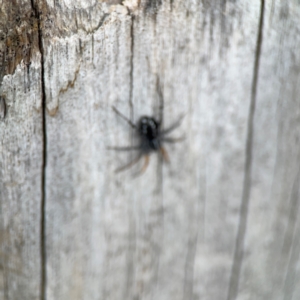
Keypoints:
(21, 153)
(221, 221)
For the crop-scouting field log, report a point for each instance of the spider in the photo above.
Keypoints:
(151, 137)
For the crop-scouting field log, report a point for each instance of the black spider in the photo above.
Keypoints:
(151, 138)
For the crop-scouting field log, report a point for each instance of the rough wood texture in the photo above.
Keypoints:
(271, 262)
(21, 153)
(20, 184)
(221, 221)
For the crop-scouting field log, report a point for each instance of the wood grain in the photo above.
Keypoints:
(221, 220)
(20, 184)
(171, 232)
(272, 240)
(21, 149)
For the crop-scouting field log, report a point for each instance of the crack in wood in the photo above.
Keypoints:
(43, 253)
(242, 227)
(131, 74)
(129, 289)
(2, 108)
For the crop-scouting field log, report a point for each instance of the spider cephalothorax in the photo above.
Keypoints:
(149, 134)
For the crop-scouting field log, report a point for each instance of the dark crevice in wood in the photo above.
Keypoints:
(44, 158)
(242, 227)
(2, 108)
(131, 73)
(132, 230)
(291, 242)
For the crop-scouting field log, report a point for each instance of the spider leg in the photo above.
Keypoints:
(172, 140)
(124, 148)
(173, 126)
(164, 154)
(161, 101)
(133, 162)
(125, 118)
(146, 163)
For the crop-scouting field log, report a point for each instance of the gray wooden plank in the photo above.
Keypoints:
(202, 191)
(272, 243)
(85, 73)
(170, 233)
(21, 153)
